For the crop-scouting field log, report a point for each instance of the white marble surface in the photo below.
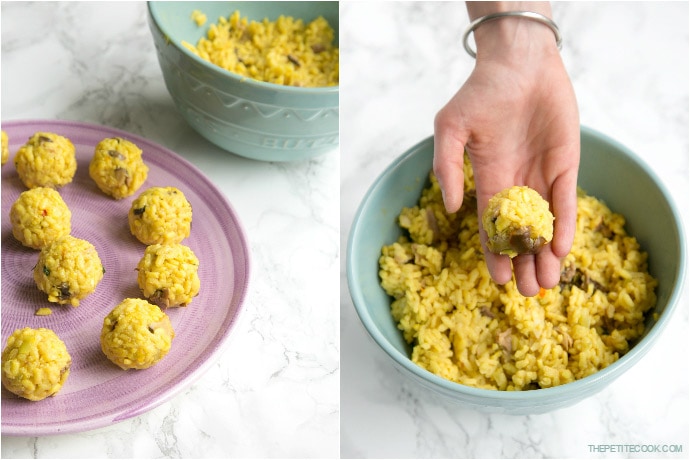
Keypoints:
(274, 391)
(400, 64)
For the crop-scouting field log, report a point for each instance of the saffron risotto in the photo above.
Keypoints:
(464, 327)
(286, 51)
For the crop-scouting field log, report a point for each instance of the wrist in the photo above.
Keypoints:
(478, 9)
(516, 36)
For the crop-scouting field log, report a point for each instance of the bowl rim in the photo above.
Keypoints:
(534, 397)
(223, 73)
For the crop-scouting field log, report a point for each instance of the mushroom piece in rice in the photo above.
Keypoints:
(136, 334)
(68, 270)
(167, 275)
(35, 363)
(117, 167)
(517, 220)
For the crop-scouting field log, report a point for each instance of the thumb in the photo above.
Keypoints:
(449, 149)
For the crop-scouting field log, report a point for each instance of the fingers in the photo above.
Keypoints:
(500, 267)
(548, 268)
(564, 202)
(532, 272)
(450, 177)
(449, 151)
(526, 274)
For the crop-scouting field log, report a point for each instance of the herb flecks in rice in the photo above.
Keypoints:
(286, 51)
(136, 334)
(68, 270)
(160, 215)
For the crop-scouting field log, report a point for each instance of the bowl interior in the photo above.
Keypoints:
(251, 118)
(175, 18)
(607, 171)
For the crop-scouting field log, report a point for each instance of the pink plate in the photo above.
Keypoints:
(98, 393)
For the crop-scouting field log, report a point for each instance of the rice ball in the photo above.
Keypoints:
(35, 363)
(160, 215)
(167, 275)
(136, 334)
(517, 220)
(40, 216)
(68, 270)
(117, 167)
(46, 160)
(5, 148)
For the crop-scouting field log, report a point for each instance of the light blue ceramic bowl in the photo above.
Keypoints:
(635, 192)
(258, 120)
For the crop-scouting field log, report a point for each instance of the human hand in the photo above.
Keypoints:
(517, 117)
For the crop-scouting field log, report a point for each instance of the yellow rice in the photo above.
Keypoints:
(464, 327)
(136, 334)
(40, 216)
(68, 270)
(160, 215)
(286, 51)
(5, 148)
(35, 363)
(199, 18)
(46, 160)
(517, 220)
(167, 275)
(117, 167)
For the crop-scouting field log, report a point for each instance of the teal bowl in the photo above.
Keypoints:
(253, 119)
(636, 193)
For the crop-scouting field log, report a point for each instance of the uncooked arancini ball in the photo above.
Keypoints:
(136, 334)
(117, 167)
(68, 270)
(46, 160)
(167, 275)
(517, 220)
(35, 363)
(40, 216)
(160, 215)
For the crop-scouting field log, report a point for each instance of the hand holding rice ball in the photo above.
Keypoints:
(517, 221)
(117, 167)
(46, 160)
(68, 270)
(160, 215)
(35, 363)
(136, 334)
(40, 216)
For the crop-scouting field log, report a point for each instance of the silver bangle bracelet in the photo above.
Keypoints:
(504, 14)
